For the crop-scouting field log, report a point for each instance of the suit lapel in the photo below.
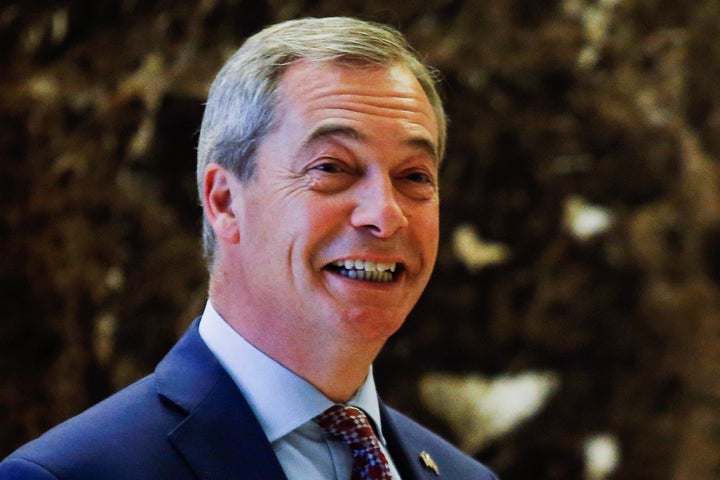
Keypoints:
(404, 449)
(220, 438)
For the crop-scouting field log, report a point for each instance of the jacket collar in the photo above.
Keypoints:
(407, 451)
(220, 438)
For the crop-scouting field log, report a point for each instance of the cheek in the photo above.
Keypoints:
(428, 229)
(315, 224)
(321, 215)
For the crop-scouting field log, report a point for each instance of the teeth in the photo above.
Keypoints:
(366, 265)
(372, 276)
(366, 270)
(381, 267)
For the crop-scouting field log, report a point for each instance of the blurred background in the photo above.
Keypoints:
(572, 326)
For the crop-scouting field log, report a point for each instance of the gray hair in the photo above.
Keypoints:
(242, 99)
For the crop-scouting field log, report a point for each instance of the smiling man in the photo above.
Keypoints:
(318, 174)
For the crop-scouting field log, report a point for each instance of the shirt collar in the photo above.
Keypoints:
(281, 400)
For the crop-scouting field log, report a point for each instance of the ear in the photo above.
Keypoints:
(220, 187)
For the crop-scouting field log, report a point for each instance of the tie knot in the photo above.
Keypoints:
(351, 425)
(348, 424)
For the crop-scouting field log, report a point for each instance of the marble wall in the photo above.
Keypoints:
(574, 317)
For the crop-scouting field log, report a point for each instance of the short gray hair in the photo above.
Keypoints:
(243, 97)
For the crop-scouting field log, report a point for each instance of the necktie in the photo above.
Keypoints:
(350, 425)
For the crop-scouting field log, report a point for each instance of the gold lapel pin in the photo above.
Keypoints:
(428, 462)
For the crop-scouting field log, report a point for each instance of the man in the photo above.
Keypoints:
(318, 173)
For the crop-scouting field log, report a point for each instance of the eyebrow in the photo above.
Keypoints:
(335, 130)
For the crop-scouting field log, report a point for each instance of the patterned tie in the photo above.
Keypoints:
(350, 425)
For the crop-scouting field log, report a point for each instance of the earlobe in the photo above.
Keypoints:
(218, 203)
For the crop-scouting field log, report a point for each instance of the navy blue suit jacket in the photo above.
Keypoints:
(188, 420)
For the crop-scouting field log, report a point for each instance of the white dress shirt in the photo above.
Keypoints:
(285, 405)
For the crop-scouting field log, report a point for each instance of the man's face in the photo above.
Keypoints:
(339, 225)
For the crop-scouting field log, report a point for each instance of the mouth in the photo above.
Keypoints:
(367, 270)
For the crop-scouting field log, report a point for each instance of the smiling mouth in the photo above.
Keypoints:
(367, 270)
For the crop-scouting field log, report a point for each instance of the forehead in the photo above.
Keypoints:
(325, 91)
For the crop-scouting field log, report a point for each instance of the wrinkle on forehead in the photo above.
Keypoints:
(330, 129)
(388, 105)
(396, 95)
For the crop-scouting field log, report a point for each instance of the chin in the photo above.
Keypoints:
(374, 325)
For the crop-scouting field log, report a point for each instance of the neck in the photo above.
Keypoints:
(337, 372)
(337, 365)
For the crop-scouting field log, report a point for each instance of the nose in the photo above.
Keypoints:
(377, 209)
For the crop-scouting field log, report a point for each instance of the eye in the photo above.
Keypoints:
(327, 167)
(419, 177)
(417, 183)
(329, 175)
